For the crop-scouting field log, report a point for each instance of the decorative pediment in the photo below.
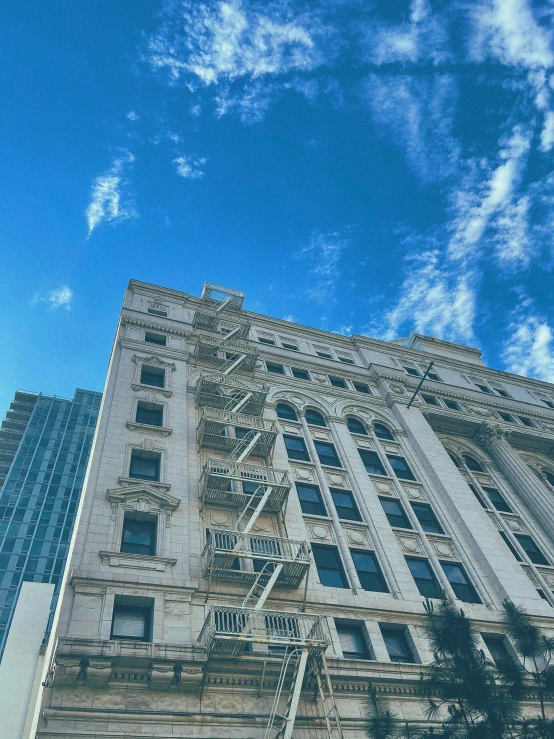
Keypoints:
(154, 360)
(143, 498)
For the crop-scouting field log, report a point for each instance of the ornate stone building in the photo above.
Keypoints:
(264, 512)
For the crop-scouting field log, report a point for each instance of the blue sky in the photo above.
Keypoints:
(362, 167)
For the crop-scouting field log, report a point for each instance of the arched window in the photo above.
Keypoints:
(356, 427)
(472, 464)
(454, 458)
(382, 432)
(549, 476)
(286, 412)
(315, 418)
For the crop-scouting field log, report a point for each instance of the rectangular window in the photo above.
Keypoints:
(396, 643)
(157, 312)
(352, 641)
(424, 577)
(154, 376)
(346, 360)
(549, 403)
(461, 584)
(289, 344)
(131, 622)
(300, 374)
(361, 387)
(496, 644)
(369, 572)
(310, 499)
(149, 413)
(395, 513)
(139, 535)
(430, 400)
(327, 453)
(506, 417)
(400, 467)
(296, 448)
(484, 388)
(372, 463)
(500, 391)
(266, 340)
(158, 339)
(322, 351)
(432, 375)
(510, 546)
(345, 505)
(452, 404)
(329, 566)
(477, 495)
(145, 465)
(426, 517)
(412, 371)
(337, 381)
(526, 421)
(531, 549)
(497, 499)
(278, 369)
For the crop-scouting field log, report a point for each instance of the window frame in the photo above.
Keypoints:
(402, 515)
(410, 475)
(538, 550)
(455, 586)
(320, 502)
(379, 435)
(135, 454)
(363, 432)
(275, 365)
(139, 409)
(399, 629)
(159, 372)
(302, 441)
(433, 517)
(146, 610)
(383, 472)
(438, 593)
(151, 524)
(336, 459)
(340, 569)
(353, 508)
(359, 630)
(377, 574)
(294, 370)
(285, 418)
(358, 385)
(339, 382)
(313, 411)
(148, 338)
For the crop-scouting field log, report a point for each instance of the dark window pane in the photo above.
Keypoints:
(369, 572)
(327, 453)
(263, 340)
(430, 400)
(396, 643)
(526, 421)
(382, 432)
(345, 505)
(497, 499)
(424, 577)
(149, 413)
(346, 360)
(356, 427)
(156, 312)
(395, 513)
(506, 417)
(152, 376)
(286, 412)
(477, 495)
(325, 355)
(496, 644)
(337, 382)
(400, 467)
(301, 374)
(460, 582)
(361, 387)
(314, 418)
(288, 345)
(151, 338)
(472, 463)
(329, 566)
(310, 499)
(452, 404)
(372, 462)
(278, 369)
(139, 537)
(131, 623)
(531, 549)
(502, 393)
(296, 448)
(454, 458)
(145, 465)
(432, 375)
(426, 517)
(412, 371)
(549, 476)
(484, 388)
(352, 642)
(510, 546)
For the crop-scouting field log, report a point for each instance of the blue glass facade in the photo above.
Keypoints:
(45, 444)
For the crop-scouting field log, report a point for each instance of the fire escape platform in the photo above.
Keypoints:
(221, 391)
(211, 320)
(227, 554)
(215, 425)
(222, 483)
(216, 294)
(219, 352)
(228, 631)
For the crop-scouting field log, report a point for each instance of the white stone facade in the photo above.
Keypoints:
(164, 685)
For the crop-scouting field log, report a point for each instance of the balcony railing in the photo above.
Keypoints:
(233, 483)
(230, 555)
(228, 631)
(209, 320)
(219, 352)
(221, 391)
(227, 431)
(211, 290)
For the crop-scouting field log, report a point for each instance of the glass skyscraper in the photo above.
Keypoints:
(45, 444)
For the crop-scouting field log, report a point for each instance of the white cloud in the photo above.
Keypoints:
(62, 297)
(190, 167)
(547, 133)
(529, 349)
(435, 299)
(108, 203)
(132, 115)
(227, 40)
(417, 113)
(324, 252)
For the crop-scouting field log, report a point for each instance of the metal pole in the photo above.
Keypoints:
(420, 383)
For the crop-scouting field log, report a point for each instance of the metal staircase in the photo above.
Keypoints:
(232, 422)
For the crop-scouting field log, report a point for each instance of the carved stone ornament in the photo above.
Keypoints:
(410, 544)
(397, 389)
(143, 498)
(489, 433)
(320, 532)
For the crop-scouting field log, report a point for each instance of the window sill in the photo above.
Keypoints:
(136, 561)
(140, 386)
(149, 428)
(141, 481)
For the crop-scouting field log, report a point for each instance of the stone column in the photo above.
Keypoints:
(524, 482)
(330, 505)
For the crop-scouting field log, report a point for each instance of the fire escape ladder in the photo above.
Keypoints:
(232, 364)
(235, 404)
(221, 307)
(244, 447)
(253, 508)
(288, 717)
(326, 695)
(263, 585)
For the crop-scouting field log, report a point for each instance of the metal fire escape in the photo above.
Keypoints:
(232, 423)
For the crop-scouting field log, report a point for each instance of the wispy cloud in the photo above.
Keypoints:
(529, 348)
(133, 115)
(108, 200)
(323, 252)
(190, 167)
(61, 297)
